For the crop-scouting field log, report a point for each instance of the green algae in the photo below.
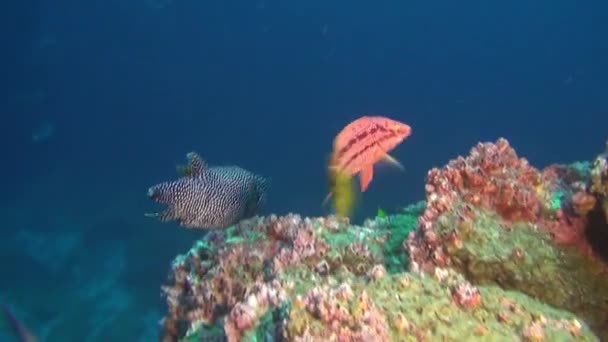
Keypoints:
(269, 323)
(411, 307)
(524, 258)
(555, 200)
(399, 226)
(422, 307)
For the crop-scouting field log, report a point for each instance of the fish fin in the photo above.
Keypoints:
(195, 167)
(164, 216)
(196, 164)
(263, 186)
(393, 161)
(366, 177)
(324, 203)
(22, 333)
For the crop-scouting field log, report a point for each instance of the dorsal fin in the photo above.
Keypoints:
(195, 167)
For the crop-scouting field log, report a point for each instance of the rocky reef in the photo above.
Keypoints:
(500, 221)
(599, 182)
(498, 251)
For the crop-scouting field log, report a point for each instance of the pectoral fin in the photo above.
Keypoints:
(326, 199)
(366, 177)
(393, 161)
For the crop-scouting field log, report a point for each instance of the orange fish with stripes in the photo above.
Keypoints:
(365, 142)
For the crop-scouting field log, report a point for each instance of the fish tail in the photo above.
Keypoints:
(262, 187)
(327, 198)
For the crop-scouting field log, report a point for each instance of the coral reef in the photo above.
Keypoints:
(500, 221)
(599, 180)
(221, 270)
(499, 251)
(322, 279)
(408, 307)
(494, 178)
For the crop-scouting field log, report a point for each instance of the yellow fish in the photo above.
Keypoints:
(342, 192)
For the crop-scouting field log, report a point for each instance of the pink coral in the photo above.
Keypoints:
(246, 313)
(466, 295)
(363, 322)
(494, 178)
(215, 277)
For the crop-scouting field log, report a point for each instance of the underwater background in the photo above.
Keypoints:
(101, 100)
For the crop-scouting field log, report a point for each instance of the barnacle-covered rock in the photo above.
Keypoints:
(495, 179)
(499, 251)
(523, 258)
(215, 281)
(599, 180)
(410, 307)
(321, 279)
(500, 221)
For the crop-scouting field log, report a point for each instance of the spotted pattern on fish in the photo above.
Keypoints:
(210, 197)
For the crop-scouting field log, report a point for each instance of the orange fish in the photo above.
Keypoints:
(363, 143)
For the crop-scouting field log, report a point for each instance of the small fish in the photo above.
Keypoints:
(381, 213)
(209, 197)
(364, 142)
(20, 330)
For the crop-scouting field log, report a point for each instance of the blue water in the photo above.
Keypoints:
(101, 99)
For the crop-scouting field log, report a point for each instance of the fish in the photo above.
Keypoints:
(20, 330)
(381, 213)
(209, 197)
(342, 191)
(365, 142)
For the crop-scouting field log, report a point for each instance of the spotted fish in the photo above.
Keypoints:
(209, 197)
(363, 143)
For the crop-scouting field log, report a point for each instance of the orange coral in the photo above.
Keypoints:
(583, 202)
